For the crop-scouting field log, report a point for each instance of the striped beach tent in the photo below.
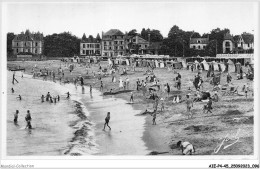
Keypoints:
(231, 66)
(205, 64)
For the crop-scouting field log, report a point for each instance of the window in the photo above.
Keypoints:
(134, 40)
(115, 42)
(198, 47)
(35, 43)
(105, 43)
(145, 46)
(204, 47)
(110, 48)
(121, 42)
(110, 43)
(248, 45)
(29, 50)
(25, 44)
(115, 47)
(35, 50)
(198, 41)
(17, 50)
(83, 51)
(97, 45)
(17, 44)
(122, 47)
(194, 47)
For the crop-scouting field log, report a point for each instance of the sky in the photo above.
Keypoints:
(93, 18)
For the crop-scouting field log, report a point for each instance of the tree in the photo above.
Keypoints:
(133, 32)
(10, 37)
(155, 35)
(61, 45)
(84, 37)
(91, 38)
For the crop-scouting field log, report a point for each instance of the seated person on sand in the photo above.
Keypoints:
(215, 97)
(176, 99)
(198, 96)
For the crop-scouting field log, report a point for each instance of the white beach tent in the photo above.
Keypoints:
(127, 62)
(161, 64)
(196, 64)
(215, 66)
(205, 64)
(156, 63)
(231, 66)
(223, 67)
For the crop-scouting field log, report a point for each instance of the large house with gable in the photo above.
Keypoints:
(28, 43)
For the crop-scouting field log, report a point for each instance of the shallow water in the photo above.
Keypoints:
(60, 130)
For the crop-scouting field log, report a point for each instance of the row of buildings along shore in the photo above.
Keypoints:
(115, 43)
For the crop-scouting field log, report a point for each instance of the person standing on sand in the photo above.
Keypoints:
(42, 98)
(208, 107)
(189, 104)
(58, 97)
(107, 121)
(154, 117)
(90, 88)
(48, 96)
(168, 89)
(132, 97)
(12, 90)
(16, 116)
(101, 86)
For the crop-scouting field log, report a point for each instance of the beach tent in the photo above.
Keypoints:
(156, 63)
(205, 64)
(127, 62)
(110, 62)
(238, 67)
(196, 64)
(177, 65)
(215, 66)
(231, 66)
(223, 67)
(161, 64)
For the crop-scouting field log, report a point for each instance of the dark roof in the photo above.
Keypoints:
(202, 40)
(113, 32)
(248, 38)
(88, 40)
(227, 36)
(27, 36)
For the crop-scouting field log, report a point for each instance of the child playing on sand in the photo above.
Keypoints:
(186, 147)
(107, 121)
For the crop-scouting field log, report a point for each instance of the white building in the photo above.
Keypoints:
(199, 43)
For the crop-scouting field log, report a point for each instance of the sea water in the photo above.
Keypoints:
(70, 126)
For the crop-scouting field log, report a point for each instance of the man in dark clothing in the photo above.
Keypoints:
(81, 81)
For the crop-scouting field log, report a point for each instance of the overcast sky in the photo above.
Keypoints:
(93, 18)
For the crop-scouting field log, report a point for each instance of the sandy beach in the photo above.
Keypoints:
(232, 115)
